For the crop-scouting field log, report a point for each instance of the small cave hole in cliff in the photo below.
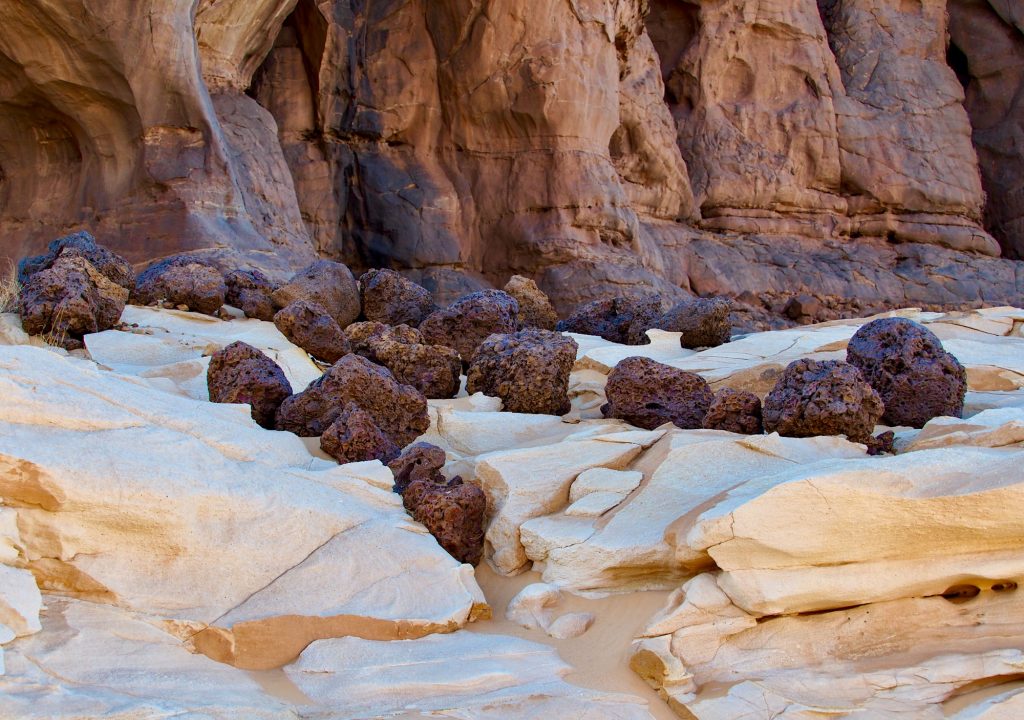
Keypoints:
(278, 85)
(957, 60)
(672, 27)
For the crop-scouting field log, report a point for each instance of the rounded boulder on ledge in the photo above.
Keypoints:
(529, 371)
(822, 398)
(240, 373)
(647, 394)
(906, 363)
(398, 410)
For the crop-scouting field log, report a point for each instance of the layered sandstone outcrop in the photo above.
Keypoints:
(590, 145)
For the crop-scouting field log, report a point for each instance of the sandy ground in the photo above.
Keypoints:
(600, 657)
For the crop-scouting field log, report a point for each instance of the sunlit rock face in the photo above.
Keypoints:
(597, 147)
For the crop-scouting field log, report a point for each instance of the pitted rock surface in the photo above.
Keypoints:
(906, 363)
(535, 308)
(111, 265)
(882, 443)
(392, 299)
(453, 512)
(363, 336)
(326, 283)
(468, 321)
(822, 398)
(434, 370)
(703, 322)
(355, 437)
(647, 394)
(398, 410)
(309, 326)
(529, 371)
(620, 320)
(240, 373)
(419, 461)
(68, 300)
(182, 280)
(250, 291)
(736, 411)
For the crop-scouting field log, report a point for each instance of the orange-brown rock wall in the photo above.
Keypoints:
(591, 144)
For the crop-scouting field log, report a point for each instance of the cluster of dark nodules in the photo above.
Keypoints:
(701, 322)
(896, 373)
(76, 288)
(453, 511)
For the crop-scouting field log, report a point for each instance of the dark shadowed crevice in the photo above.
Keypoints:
(311, 28)
(957, 60)
(305, 29)
(672, 26)
(987, 55)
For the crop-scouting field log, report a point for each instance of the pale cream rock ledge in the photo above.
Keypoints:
(883, 586)
(640, 544)
(171, 349)
(841, 533)
(187, 510)
(94, 660)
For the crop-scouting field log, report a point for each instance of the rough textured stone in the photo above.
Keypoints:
(434, 370)
(703, 322)
(112, 266)
(419, 461)
(987, 53)
(468, 321)
(182, 280)
(535, 308)
(736, 411)
(68, 300)
(822, 398)
(620, 320)
(250, 291)
(906, 364)
(394, 300)
(529, 371)
(881, 443)
(326, 283)
(805, 308)
(354, 437)
(242, 374)
(365, 335)
(453, 512)
(647, 394)
(309, 326)
(398, 410)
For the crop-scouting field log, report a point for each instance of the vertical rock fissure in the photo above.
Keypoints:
(986, 52)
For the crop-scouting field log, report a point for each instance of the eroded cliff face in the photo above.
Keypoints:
(599, 146)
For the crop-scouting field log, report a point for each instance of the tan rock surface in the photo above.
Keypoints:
(600, 147)
(187, 510)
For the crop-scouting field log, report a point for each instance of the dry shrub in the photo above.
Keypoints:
(9, 290)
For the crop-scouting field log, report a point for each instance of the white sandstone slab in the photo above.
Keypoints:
(171, 343)
(188, 510)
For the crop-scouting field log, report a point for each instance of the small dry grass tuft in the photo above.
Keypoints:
(9, 290)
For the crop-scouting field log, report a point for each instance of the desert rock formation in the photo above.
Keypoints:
(592, 145)
(179, 546)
